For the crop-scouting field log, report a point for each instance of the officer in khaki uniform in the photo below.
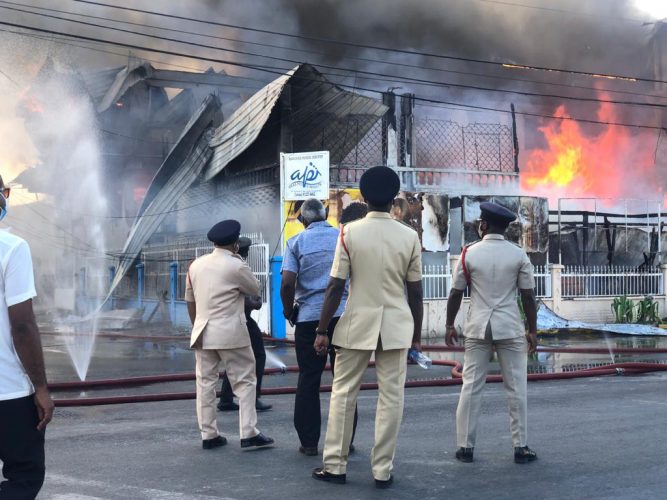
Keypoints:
(381, 257)
(215, 292)
(493, 268)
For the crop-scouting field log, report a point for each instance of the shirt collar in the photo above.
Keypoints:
(378, 215)
(223, 251)
(493, 237)
(319, 223)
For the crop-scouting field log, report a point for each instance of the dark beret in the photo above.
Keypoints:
(225, 232)
(496, 214)
(379, 185)
(244, 242)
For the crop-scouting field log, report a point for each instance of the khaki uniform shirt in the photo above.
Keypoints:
(496, 268)
(383, 255)
(217, 283)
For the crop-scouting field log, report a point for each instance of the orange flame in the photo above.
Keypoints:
(613, 164)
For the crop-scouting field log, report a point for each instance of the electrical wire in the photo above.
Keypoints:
(352, 58)
(275, 71)
(376, 47)
(375, 75)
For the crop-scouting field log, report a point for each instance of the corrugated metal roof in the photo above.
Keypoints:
(126, 78)
(242, 128)
(98, 82)
(319, 108)
(179, 170)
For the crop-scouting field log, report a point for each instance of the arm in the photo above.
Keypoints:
(248, 283)
(530, 309)
(453, 306)
(192, 311)
(526, 285)
(190, 297)
(416, 304)
(25, 336)
(413, 284)
(287, 291)
(332, 298)
(253, 302)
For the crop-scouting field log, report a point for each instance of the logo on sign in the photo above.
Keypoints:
(306, 177)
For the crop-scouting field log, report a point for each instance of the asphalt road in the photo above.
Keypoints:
(596, 438)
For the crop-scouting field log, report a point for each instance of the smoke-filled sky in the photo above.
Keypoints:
(600, 36)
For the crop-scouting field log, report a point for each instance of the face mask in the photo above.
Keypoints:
(3, 210)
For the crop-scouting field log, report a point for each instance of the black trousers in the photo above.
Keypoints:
(257, 344)
(307, 416)
(21, 449)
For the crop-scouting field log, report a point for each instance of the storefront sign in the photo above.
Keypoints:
(305, 175)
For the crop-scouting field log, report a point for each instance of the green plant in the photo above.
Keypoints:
(647, 311)
(623, 308)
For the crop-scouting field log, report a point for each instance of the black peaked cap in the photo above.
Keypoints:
(379, 185)
(496, 214)
(225, 232)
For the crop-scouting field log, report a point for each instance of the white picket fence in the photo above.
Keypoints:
(605, 281)
(576, 281)
(437, 281)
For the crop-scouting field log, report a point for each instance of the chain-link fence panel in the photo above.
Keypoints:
(448, 145)
(363, 150)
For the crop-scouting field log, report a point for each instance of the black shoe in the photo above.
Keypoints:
(309, 451)
(261, 406)
(351, 450)
(231, 406)
(383, 485)
(256, 442)
(209, 444)
(524, 454)
(464, 454)
(321, 475)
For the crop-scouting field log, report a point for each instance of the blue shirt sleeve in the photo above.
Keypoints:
(290, 259)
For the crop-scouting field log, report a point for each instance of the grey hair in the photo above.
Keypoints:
(313, 210)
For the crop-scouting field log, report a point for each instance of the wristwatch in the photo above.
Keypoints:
(449, 326)
(319, 332)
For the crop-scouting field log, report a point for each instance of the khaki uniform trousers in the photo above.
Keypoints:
(240, 367)
(390, 368)
(512, 355)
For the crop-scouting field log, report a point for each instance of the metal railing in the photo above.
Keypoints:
(417, 179)
(605, 281)
(437, 281)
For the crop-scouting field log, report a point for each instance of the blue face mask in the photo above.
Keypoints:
(3, 210)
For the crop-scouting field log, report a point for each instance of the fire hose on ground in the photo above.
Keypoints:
(625, 368)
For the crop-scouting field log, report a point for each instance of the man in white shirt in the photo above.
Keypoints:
(495, 270)
(25, 404)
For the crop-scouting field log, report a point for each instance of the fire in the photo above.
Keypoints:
(616, 163)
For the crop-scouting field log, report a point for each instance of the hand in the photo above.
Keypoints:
(288, 313)
(45, 407)
(532, 342)
(451, 336)
(321, 345)
(417, 346)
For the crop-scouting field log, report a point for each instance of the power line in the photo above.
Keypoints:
(375, 75)
(376, 47)
(353, 58)
(563, 11)
(272, 70)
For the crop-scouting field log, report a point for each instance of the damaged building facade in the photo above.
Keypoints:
(213, 152)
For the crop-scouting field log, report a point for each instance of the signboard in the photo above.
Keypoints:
(305, 175)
